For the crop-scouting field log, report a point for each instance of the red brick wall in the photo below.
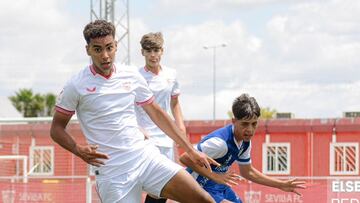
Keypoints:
(309, 139)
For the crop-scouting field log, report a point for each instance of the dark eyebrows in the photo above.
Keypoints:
(152, 49)
(96, 46)
(246, 122)
(107, 45)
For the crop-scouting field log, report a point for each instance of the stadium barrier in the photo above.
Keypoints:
(82, 189)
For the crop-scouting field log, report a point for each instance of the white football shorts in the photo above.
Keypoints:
(151, 177)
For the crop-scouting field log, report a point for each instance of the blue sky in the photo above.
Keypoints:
(294, 56)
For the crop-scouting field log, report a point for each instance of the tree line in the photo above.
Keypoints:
(30, 104)
(37, 105)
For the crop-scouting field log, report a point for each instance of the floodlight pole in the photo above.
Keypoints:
(213, 47)
(119, 16)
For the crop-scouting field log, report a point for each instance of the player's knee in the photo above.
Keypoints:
(206, 198)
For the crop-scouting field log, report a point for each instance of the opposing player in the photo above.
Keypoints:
(163, 83)
(231, 144)
(104, 96)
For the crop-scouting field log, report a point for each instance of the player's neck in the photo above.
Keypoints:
(102, 72)
(237, 139)
(153, 69)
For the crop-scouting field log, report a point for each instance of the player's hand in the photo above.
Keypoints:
(230, 179)
(202, 159)
(89, 154)
(293, 184)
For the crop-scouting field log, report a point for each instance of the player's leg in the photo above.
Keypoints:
(231, 196)
(119, 190)
(133, 196)
(110, 194)
(183, 188)
(217, 195)
(226, 195)
(169, 153)
(164, 178)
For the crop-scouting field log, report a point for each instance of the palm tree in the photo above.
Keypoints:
(37, 105)
(50, 100)
(33, 105)
(22, 101)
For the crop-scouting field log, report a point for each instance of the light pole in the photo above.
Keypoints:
(213, 47)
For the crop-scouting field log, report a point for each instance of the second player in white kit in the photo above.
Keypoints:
(163, 83)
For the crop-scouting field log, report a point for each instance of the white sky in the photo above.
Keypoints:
(296, 56)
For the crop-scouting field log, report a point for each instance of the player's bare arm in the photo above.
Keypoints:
(162, 119)
(250, 173)
(177, 113)
(58, 133)
(229, 179)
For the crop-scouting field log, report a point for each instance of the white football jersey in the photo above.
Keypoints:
(105, 108)
(164, 85)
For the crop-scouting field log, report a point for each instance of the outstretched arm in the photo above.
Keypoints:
(58, 133)
(228, 178)
(250, 173)
(162, 119)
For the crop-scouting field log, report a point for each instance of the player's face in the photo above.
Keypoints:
(244, 129)
(152, 57)
(102, 52)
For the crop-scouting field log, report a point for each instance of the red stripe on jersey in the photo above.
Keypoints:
(64, 111)
(149, 101)
(93, 71)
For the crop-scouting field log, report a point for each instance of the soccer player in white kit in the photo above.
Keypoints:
(104, 96)
(163, 83)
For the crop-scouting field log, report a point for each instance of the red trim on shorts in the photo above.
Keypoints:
(64, 111)
(149, 101)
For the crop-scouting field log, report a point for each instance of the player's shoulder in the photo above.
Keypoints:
(168, 69)
(169, 72)
(223, 132)
(126, 70)
(215, 147)
(125, 67)
(218, 141)
(80, 75)
(141, 69)
(144, 72)
(215, 137)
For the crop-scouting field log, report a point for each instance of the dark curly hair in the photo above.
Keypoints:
(245, 107)
(98, 28)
